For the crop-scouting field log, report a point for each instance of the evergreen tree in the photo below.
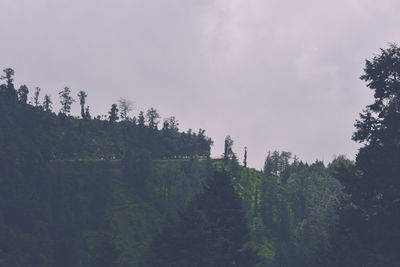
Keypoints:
(36, 97)
(66, 100)
(113, 113)
(141, 119)
(9, 74)
(245, 157)
(23, 93)
(125, 106)
(171, 124)
(152, 117)
(87, 113)
(211, 231)
(47, 104)
(370, 215)
(105, 253)
(82, 100)
(228, 152)
(9, 89)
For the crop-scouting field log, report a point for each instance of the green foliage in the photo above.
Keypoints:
(105, 253)
(66, 100)
(82, 101)
(36, 97)
(113, 113)
(210, 231)
(47, 103)
(290, 207)
(125, 106)
(369, 215)
(80, 192)
(23, 93)
(152, 117)
(228, 152)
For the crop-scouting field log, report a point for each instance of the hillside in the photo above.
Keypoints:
(74, 190)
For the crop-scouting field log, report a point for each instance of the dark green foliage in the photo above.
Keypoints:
(245, 157)
(152, 117)
(137, 169)
(77, 192)
(105, 253)
(291, 207)
(113, 113)
(141, 119)
(66, 100)
(125, 106)
(82, 101)
(23, 92)
(8, 89)
(58, 193)
(228, 152)
(36, 97)
(370, 214)
(9, 73)
(211, 231)
(87, 113)
(47, 103)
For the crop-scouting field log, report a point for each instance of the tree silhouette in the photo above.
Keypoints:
(23, 93)
(82, 100)
(245, 157)
(141, 119)
(125, 106)
(66, 100)
(47, 104)
(8, 76)
(113, 113)
(152, 117)
(228, 152)
(36, 97)
(370, 215)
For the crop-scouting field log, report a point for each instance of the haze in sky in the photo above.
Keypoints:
(275, 75)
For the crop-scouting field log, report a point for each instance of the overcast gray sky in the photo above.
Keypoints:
(273, 74)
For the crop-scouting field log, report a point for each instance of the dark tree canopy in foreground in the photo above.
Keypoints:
(211, 231)
(368, 233)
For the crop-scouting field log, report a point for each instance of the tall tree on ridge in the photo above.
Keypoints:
(141, 119)
(125, 106)
(47, 104)
(82, 100)
(36, 97)
(113, 113)
(228, 152)
(8, 76)
(152, 117)
(245, 157)
(23, 93)
(87, 113)
(66, 100)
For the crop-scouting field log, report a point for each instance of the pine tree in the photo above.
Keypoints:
(82, 100)
(66, 100)
(113, 113)
(23, 93)
(211, 231)
(370, 215)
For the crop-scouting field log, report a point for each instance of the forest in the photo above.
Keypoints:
(116, 190)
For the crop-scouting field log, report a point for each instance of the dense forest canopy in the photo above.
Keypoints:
(116, 190)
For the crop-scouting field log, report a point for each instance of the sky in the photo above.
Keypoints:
(273, 74)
